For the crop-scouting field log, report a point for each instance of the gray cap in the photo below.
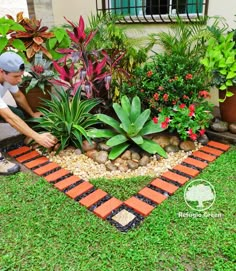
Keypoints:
(11, 62)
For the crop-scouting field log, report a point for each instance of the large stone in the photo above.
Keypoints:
(232, 128)
(171, 148)
(203, 139)
(126, 155)
(174, 140)
(187, 145)
(144, 160)
(132, 165)
(101, 157)
(135, 156)
(162, 140)
(86, 146)
(220, 126)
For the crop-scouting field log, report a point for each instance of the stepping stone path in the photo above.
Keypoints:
(128, 214)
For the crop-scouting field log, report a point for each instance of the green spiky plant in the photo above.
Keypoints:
(67, 118)
(132, 128)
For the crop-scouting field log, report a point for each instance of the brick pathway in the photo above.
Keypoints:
(128, 214)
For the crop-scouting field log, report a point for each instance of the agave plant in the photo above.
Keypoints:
(132, 128)
(67, 118)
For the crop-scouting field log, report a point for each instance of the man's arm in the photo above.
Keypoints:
(22, 102)
(45, 139)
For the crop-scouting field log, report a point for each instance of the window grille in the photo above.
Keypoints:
(153, 11)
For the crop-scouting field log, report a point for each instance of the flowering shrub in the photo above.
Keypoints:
(188, 121)
(174, 86)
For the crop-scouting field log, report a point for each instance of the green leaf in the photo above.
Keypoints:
(152, 147)
(110, 121)
(135, 109)
(3, 43)
(123, 116)
(125, 103)
(137, 140)
(142, 118)
(100, 133)
(118, 150)
(116, 140)
(18, 44)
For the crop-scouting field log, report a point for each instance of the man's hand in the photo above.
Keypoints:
(46, 140)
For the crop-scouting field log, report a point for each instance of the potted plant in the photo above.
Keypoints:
(219, 62)
(36, 80)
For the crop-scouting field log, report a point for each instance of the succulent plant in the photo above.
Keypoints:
(132, 128)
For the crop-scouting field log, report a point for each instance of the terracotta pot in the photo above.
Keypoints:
(228, 107)
(34, 97)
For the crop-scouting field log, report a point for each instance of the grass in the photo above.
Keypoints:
(42, 229)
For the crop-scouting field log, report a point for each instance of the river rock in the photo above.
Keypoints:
(174, 140)
(126, 155)
(162, 140)
(91, 153)
(220, 126)
(101, 157)
(187, 145)
(144, 161)
(232, 128)
(103, 147)
(86, 146)
(132, 165)
(135, 156)
(110, 166)
(203, 139)
(171, 148)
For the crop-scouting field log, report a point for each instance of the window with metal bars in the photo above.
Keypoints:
(153, 11)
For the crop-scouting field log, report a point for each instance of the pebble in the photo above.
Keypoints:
(86, 168)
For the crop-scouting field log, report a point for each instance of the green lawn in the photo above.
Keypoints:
(42, 229)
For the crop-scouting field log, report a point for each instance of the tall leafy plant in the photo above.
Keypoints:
(67, 118)
(130, 128)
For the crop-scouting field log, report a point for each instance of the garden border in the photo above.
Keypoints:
(133, 210)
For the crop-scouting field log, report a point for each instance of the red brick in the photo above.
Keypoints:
(44, 169)
(168, 187)
(79, 190)
(152, 195)
(211, 150)
(175, 177)
(139, 206)
(204, 156)
(187, 170)
(195, 162)
(18, 151)
(107, 207)
(36, 162)
(218, 145)
(93, 198)
(66, 182)
(27, 156)
(56, 175)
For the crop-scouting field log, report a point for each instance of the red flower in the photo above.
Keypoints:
(202, 132)
(192, 107)
(160, 88)
(191, 114)
(165, 97)
(189, 76)
(149, 73)
(165, 123)
(182, 106)
(174, 102)
(156, 96)
(204, 94)
(185, 97)
(155, 120)
(142, 90)
(193, 136)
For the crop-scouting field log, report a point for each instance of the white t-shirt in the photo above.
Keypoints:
(3, 89)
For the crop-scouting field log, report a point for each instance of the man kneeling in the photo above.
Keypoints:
(11, 71)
